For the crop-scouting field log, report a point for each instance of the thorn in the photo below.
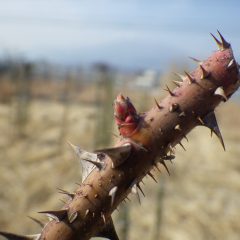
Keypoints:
(177, 127)
(219, 44)
(169, 91)
(41, 224)
(139, 187)
(182, 146)
(231, 64)
(87, 160)
(112, 194)
(225, 44)
(72, 217)
(211, 122)
(171, 150)
(159, 107)
(185, 137)
(182, 77)
(75, 148)
(57, 215)
(220, 92)
(151, 175)
(139, 146)
(87, 212)
(61, 191)
(99, 165)
(205, 74)
(128, 198)
(177, 83)
(118, 155)
(134, 190)
(156, 166)
(196, 60)
(191, 80)
(103, 217)
(182, 114)
(173, 107)
(12, 236)
(200, 120)
(164, 164)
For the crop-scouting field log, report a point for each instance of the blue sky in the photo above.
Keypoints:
(126, 33)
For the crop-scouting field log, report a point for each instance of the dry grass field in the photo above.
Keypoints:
(201, 198)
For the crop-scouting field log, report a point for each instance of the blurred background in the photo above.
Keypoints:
(62, 64)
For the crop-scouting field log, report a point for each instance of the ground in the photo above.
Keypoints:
(200, 200)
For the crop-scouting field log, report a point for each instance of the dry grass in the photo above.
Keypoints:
(201, 198)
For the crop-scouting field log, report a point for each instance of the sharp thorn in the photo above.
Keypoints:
(128, 198)
(87, 212)
(74, 147)
(177, 83)
(169, 91)
(135, 191)
(118, 155)
(225, 44)
(173, 107)
(99, 165)
(200, 120)
(189, 77)
(61, 191)
(171, 149)
(165, 166)
(196, 60)
(151, 175)
(72, 217)
(231, 64)
(58, 215)
(185, 137)
(219, 44)
(156, 166)
(182, 114)
(103, 217)
(112, 194)
(41, 224)
(205, 73)
(177, 127)
(142, 182)
(220, 92)
(211, 122)
(182, 77)
(139, 187)
(158, 106)
(182, 146)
